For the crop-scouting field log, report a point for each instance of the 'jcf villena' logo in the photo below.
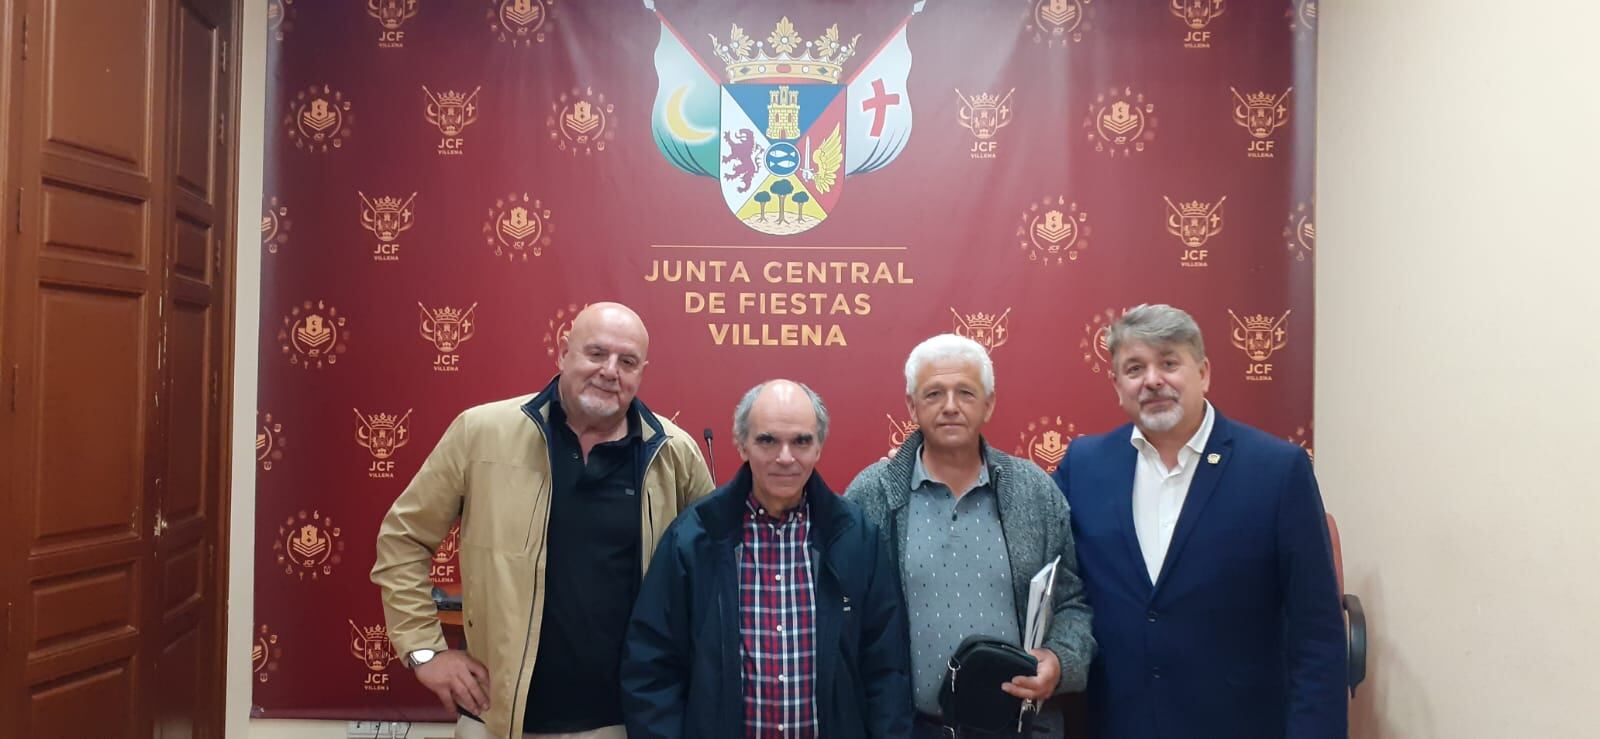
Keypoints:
(451, 112)
(386, 217)
(391, 15)
(1197, 14)
(1259, 336)
(1194, 223)
(1260, 113)
(984, 114)
(382, 434)
(788, 127)
(370, 645)
(447, 329)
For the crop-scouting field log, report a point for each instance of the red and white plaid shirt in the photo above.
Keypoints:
(777, 625)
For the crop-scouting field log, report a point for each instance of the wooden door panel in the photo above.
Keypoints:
(197, 101)
(179, 698)
(109, 632)
(62, 663)
(83, 607)
(99, 227)
(98, 93)
(60, 708)
(188, 350)
(192, 239)
(92, 388)
(182, 578)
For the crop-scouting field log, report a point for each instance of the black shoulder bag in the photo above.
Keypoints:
(971, 697)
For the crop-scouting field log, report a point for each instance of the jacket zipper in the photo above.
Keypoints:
(513, 731)
(649, 510)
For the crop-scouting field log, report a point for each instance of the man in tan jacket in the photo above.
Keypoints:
(562, 497)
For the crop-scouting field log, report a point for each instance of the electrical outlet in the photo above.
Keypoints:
(377, 729)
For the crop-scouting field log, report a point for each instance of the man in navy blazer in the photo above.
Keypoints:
(1205, 554)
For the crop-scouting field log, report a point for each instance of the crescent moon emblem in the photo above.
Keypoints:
(678, 125)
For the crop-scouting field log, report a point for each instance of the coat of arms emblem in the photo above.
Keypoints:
(783, 125)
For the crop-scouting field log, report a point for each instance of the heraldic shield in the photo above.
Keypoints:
(782, 163)
(772, 127)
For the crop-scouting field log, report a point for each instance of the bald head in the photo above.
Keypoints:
(602, 364)
(779, 426)
(778, 394)
(784, 397)
(615, 317)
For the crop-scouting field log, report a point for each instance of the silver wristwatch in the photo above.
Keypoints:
(420, 657)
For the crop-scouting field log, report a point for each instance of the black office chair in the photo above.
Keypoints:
(1355, 618)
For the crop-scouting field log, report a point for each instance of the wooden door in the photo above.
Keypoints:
(197, 286)
(117, 319)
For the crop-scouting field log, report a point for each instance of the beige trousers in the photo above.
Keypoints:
(466, 728)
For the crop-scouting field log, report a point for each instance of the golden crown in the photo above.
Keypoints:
(1259, 322)
(373, 632)
(1260, 100)
(447, 315)
(382, 420)
(981, 320)
(451, 97)
(984, 100)
(1194, 208)
(386, 202)
(821, 59)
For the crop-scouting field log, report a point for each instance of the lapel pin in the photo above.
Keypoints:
(1213, 458)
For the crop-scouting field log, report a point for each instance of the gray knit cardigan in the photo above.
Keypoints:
(1033, 518)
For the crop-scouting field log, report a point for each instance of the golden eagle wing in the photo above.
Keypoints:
(829, 157)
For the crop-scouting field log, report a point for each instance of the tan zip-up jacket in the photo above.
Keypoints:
(492, 467)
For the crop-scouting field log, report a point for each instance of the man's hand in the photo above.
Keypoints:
(1041, 685)
(458, 680)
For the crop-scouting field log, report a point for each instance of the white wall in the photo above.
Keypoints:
(246, 352)
(1456, 346)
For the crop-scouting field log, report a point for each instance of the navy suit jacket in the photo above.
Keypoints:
(1243, 635)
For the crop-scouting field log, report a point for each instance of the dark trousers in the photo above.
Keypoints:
(925, 728)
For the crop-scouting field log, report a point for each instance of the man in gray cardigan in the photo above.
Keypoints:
(969, 527)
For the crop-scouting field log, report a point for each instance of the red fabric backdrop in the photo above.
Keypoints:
(449, 181)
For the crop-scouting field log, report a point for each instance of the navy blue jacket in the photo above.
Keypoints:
(681, 663)
(1243, 635)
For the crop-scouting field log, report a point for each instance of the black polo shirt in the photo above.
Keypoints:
(592, 572)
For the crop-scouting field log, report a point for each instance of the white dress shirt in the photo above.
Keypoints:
(1158, 492)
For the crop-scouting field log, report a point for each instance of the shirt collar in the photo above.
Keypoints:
(797, 513)
(919, 474)
(1196, 443)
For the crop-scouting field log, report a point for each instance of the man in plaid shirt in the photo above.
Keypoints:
(772, 608)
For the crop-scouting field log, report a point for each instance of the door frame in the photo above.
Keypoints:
(10, 14)
(232, 54)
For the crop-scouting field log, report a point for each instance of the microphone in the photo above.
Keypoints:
(711, 456)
